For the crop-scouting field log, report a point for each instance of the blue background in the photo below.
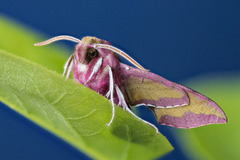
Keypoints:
(177, 39)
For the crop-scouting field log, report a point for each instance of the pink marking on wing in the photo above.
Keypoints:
(204, 98)
(190, 120)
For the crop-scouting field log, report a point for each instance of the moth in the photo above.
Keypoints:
(96, 64)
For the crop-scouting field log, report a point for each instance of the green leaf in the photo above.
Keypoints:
(75, 113)
(19, 40)
(216, 141)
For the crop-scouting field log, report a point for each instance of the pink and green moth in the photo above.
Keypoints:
(95, 63)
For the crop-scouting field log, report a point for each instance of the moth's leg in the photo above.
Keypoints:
(95, 69)
(69, 70)
(150, 124)
(124, 105)
(111, 89)
(122, 101)
(102, 76)
(67, 64)
(108, 94)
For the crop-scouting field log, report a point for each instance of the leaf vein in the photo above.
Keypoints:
(81, 117)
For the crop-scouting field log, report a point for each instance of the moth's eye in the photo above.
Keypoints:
(92, 53)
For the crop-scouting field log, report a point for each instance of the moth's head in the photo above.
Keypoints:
(86, 51)
(91, 48)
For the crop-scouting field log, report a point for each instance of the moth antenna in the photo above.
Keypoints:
(121, 53)
(58, 38)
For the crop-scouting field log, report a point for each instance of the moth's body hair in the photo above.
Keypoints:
(127, 68)
(96, 67)
(82, 67)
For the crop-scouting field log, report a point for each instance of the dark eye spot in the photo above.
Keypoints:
(91, 54)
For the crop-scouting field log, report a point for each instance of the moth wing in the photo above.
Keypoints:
(172, 104)
(146, 88)
(200, 111)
